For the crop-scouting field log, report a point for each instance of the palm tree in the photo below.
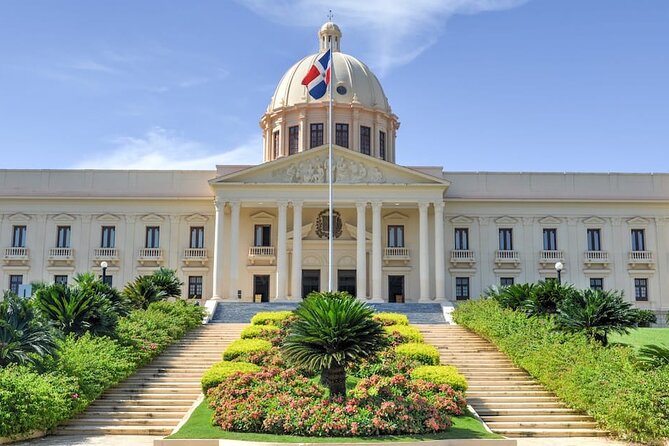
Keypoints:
(330, 333)
(88, 283)
(166, 280)
(514, 296)
(143, 291)
(546, 296)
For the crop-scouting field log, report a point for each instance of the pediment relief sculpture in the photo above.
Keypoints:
(315, 170)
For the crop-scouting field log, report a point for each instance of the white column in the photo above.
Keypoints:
(219, 226)
(377, 255)
(281, 267)
(361, 255)
(296, 275)
(439, 268)
(424, 255)
(234, 249)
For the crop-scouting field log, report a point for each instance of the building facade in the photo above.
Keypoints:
(401, 233)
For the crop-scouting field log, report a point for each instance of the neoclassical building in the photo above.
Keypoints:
(402, 233)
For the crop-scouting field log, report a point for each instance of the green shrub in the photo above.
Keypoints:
(391, 318)
(644, 318)
(441, 374)
(243, 347)
(258, 331)
(423, 353)
(653, 355)
(603, 382)
(218, 372)
(270, 317)
(404, 333)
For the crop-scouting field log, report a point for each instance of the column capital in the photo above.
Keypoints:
(282, 204)
(572, 221)
(616, 221)
(219, 204)
(175, 218)
(377, 205)
(484, 221)
(528, 221)
(662, 220)
(439, 205)
(423, 205)
(297, 203)
(130, 218)
(235, 204)
(86, 218)
(361, 204)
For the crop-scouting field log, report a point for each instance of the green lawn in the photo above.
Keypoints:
(199, 426)
(643, 336)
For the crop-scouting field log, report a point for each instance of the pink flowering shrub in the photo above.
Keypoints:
(285, 402)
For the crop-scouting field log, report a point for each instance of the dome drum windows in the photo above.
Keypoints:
(365, 140)
(316, 135)
(293, 139)
(341, 134)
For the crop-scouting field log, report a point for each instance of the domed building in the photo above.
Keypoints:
(401, 234)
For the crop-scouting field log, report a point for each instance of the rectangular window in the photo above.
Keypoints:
(382, 145)
(195, 287)
(262, 235)
(461, 239)
(505, 239)
(19, 237)
(293, 139)
(197, 237)
(596, 283)
(365, 140)
(396, 236)
(594, 240)
(506, 281)
(15, 281)
(341, 135)
(152, 237)
(63, 236)
(550, 239)
(275, 144)
(638, 240)
(461, 288)
(60, 279)
(108, 239)
(107, 279)
(316, 137)
(641, 289)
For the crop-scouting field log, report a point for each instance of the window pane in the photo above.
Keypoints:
(60, 279)
(316, 138)
(152, 237)
(461, 288)
(594, 242)
(63, 237)
(641, 289)
(275, 144)
(506, 281)
(108, 239)
(197, 237)
(638, 240)
(382, 145)
(341, 135)
(195, 287)
(19, 237)
(596, 283)
(365, 140)
(505, 239)
(550, 239)
(15, 280)
(293, 139)
(461, 238)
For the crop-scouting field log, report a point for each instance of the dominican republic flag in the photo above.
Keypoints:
(318, 77)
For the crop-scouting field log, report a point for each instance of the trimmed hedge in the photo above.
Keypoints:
(441, 374)
(218, 372)
(423, 353)
(604, 382)
(243, 347)
(387, 319)
(404, 333)
(258, 331)
(270, 317)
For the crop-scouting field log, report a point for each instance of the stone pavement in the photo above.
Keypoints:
(90, 440)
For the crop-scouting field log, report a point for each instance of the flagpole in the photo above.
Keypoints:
(330, 195)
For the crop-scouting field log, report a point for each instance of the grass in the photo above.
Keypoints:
(642, 336)
(199, 426)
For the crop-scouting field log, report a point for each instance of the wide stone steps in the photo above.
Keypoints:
(155, 399)
(510, 401)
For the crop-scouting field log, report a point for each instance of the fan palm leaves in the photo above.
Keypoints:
(167, 281)
(143, 291)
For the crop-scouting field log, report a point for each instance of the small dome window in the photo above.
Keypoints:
(341, 90)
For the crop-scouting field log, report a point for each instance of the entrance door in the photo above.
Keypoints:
(346, 281)
(311, 281)
(396, 289)
(260, 288)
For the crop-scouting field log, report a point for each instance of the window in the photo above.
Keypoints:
(108, 237)
(293, 139)
(341, 135)
(15, 281)
(596, 283)
(316, 138)
(506, 281)
(461, 288)
(382, 145)
(550, 239)
(197, 237)
(461, 239)
(19, 237)
(638, 240)
(396, 236)
(262, 235)
(505, 239)
(152, 237)
(107, 279)
(594, 240)
(195, 287)
(60, 279)
(641, 289)
(63, 237)
(365, 140)
(275, 144)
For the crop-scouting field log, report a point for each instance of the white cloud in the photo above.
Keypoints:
(161, 149)
(398, 31)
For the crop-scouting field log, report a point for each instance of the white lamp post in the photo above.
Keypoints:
(558, 268)
(104, 266)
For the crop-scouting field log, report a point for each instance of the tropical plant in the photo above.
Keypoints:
(166, 280)
(644, 318)
(24, 339)
(331, 332)
(143, 291)
(652, 356)
(514, 296)
(545, 297)
(597, 313)
(89, 283)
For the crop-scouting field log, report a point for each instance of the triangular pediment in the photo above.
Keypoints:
(19, 218)
(262, 217)
(152, 218)
(63, 217)
(637, 221)
(197, 218)
(108, 217)
(310, 167)
(550, 220)
(506, 220)
(395, 216)
(594, 221)
(462, 220)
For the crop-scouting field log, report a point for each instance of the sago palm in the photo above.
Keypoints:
(66, 307)
(143, 291)
(167, 281)
(330, 333)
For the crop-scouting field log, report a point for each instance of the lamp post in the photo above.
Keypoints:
(104, 266)
(558, 268)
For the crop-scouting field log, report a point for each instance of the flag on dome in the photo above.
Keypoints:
(318, 77)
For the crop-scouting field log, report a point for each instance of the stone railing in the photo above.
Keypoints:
(600, 257)
(507, 256)
(105, 253)
(150, 255)
(463, 256)
(261, 253)
(548, 256)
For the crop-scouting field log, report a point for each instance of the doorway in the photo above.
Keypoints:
(346, 281)
(396, 289)
(311, 281)
(260, 288)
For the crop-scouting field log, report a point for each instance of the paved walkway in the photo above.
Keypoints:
(91, 440)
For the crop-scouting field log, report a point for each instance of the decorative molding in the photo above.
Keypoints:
(197, 218)
(528, 221)
(315, 171)
(484, 221)
(346, 261)
(108, 217)
(19, 218)
(310, 261)
(130, 218)
(86, 218)
(262, 217)
(594, 221)
(395, 216)
(462, 220)
(637, 221)
(506, 220)
(321, 219)
(153, 218)
(616, 221)
(550, 220)
(63, 217)
(572, 221)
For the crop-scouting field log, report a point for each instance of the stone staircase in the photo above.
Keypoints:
(155, 399)
(511, 402)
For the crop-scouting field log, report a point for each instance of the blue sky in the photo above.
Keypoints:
(502, 85)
